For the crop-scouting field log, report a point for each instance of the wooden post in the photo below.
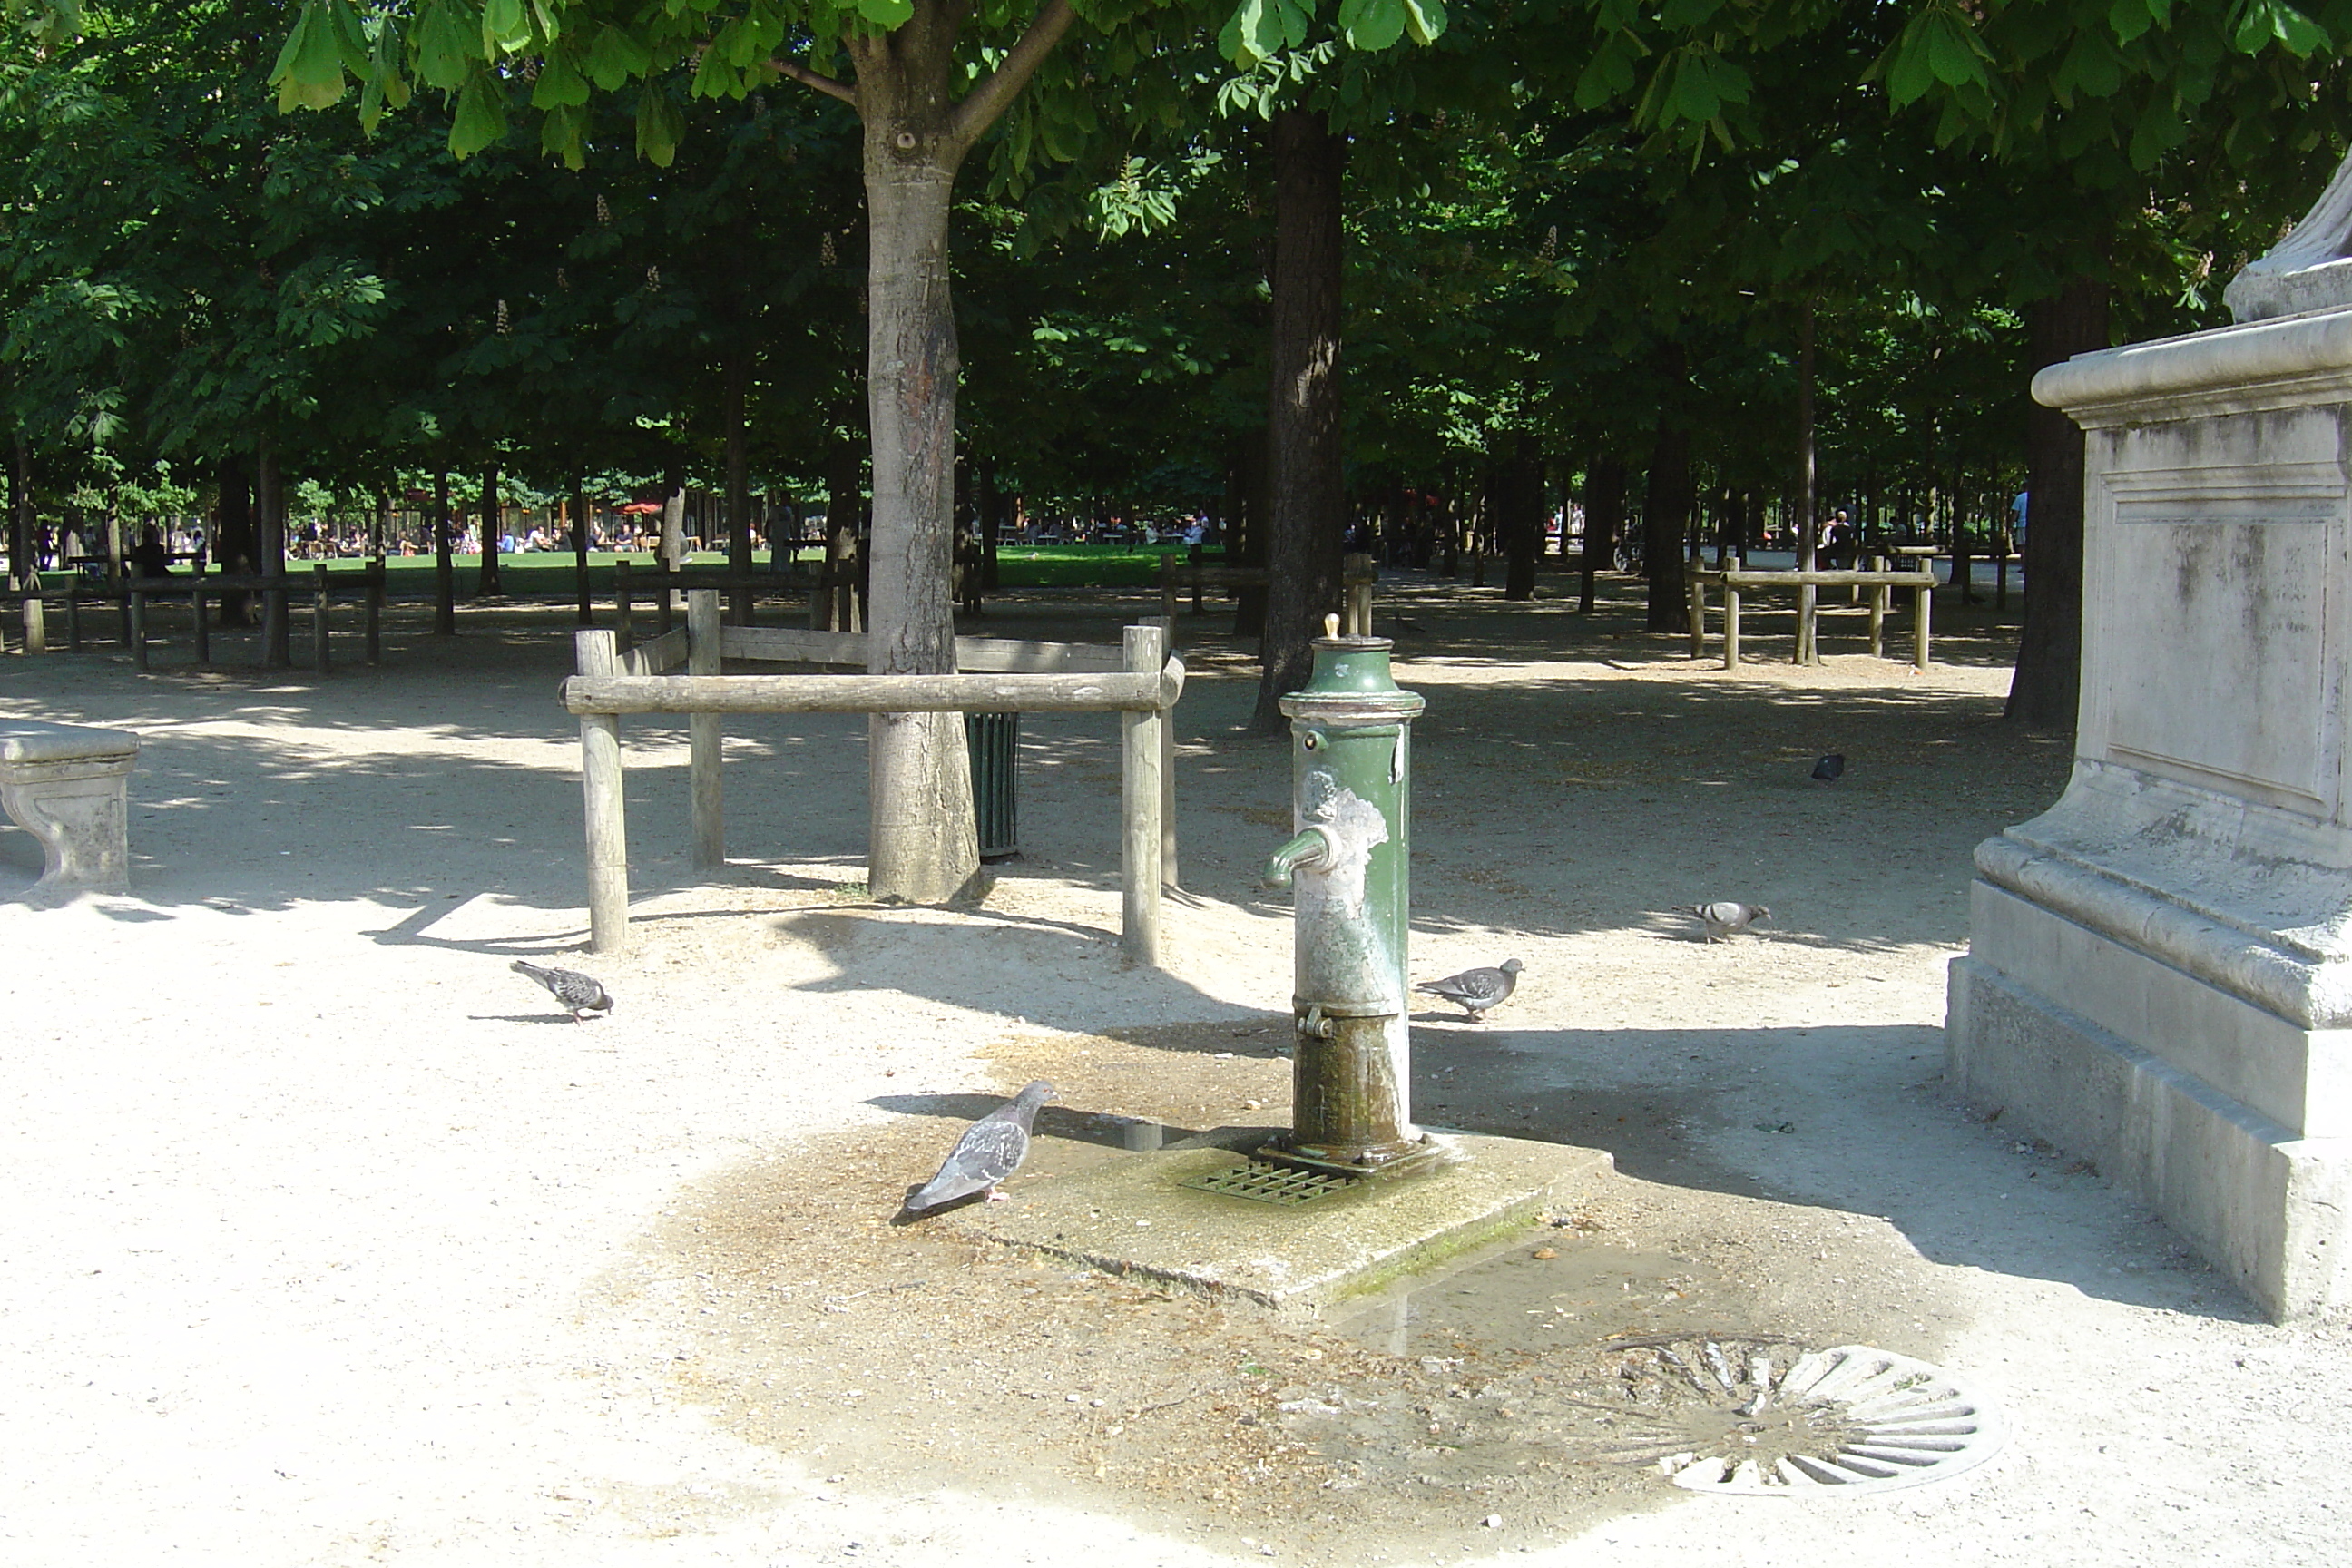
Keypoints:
(203, 622)
(1168, 589)
(135, 609)
(706, 743)
(73, 617)
(1730, 626)
(1920, 598)
(1697, 615)
(666, 598)
(1879, 594)
(121, 607)
(1169, 876)
(600, 784)
(625, 632)
(1808, 596)
(37, 620)
(319, 617)
(375, 611)
(1358, 597)
(1141, 846)
(2001, 580)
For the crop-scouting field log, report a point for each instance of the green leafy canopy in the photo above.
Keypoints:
(475, 50)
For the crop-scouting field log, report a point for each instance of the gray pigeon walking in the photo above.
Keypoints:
(1829, 769)
(991, 1150)
(1725, 919)
(580, 992)
(1475, 990)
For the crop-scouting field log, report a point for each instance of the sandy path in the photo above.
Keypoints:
(329, 1244)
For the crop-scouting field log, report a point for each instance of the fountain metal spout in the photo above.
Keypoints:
(1310, 850)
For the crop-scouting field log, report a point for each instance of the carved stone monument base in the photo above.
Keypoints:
(2160, 968)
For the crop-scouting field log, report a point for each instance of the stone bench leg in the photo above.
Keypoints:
(79, 811)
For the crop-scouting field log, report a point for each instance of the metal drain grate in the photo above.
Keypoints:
(1262, 1181)
(1741, 1417)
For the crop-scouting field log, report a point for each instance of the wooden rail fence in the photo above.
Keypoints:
(1140, 681)
(1735, 582)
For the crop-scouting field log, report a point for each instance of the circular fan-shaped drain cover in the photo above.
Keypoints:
(1748, 1416)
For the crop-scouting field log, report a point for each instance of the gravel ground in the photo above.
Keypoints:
(333, 1243)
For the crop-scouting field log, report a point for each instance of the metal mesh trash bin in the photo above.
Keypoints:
(994, 740)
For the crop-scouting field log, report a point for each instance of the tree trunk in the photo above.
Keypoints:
(580, 531)
(1519, 517)
(233, 548)
(493, 518)
(671, 552)
(1604, 511)
(1666, 500)
(739, 485)
(992, 525)
(2047, 687)
(1809, 526)
(1245, 540)
(22, 567)
(270, 526)
(1308, 527)
(445, 569)
(921, 838)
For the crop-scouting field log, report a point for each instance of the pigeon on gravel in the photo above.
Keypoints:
(1725, 919)
(580, 992)
(1830, 768)
(1475, 990)
(991, 1150)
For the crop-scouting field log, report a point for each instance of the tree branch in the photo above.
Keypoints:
(984, 105)
(817, 80)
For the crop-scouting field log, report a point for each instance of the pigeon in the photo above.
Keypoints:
(991, 1150)
(1475, 990)
(580, 992)
(1724, 918)
(1828, 769)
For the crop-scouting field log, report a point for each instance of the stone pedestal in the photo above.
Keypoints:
(66, 785)
(2160, 967)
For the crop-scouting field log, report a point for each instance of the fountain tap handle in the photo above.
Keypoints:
(1330, 626)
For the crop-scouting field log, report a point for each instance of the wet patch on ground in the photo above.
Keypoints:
(900, 1359)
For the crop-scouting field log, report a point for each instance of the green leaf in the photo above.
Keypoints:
(1911, 74)
(1254, 33)
(310, 69)
(351, 38)
(482, 117)
(2130, 18)
(615, 57)
(384, 71)
(448, 45)
(1952, 52)
(563, 133)
(886, 13)
(1295, 19)
(660, 126)
(1371, 24)
(560, 84)
(1425, 20)
(506, 27)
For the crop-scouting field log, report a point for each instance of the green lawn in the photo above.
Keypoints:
(550, 572)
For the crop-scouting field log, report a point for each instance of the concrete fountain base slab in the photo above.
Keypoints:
(1131, 1215)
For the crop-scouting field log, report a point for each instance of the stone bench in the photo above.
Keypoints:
(66, 785)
